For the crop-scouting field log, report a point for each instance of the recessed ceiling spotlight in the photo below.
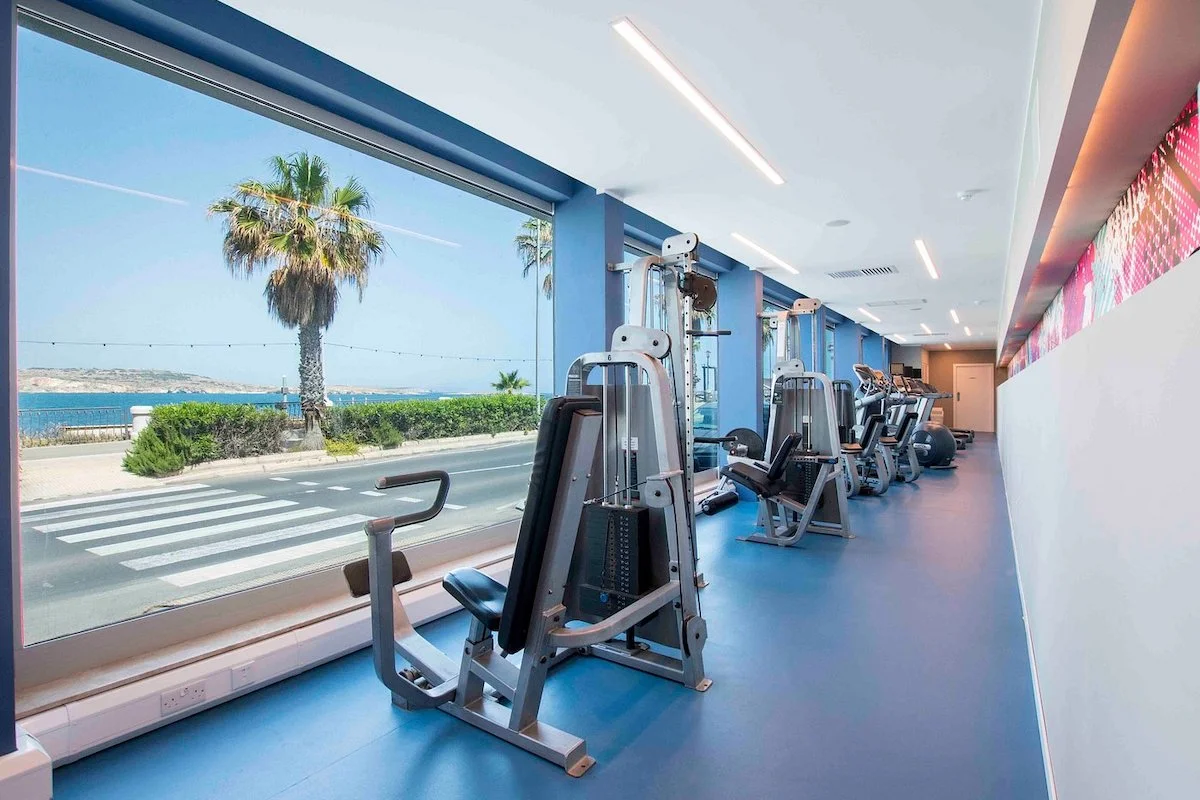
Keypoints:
(662, 65)
(925, 328)
(766, 254)
(933, 273)
(837, 223)
(954, 316)
(868, 315)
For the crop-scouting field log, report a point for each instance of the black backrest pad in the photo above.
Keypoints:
(910, 419)
(553, 435)
(871, 429)
(779, 462)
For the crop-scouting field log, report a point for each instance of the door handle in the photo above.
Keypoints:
(957, 396)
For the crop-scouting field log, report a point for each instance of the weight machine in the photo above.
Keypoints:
(607, 540)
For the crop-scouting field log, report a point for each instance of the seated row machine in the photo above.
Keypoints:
(604, 563)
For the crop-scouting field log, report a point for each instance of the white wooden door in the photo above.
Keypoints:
(975, 397)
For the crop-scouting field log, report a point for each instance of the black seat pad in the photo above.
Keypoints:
(480, 594)
(752, 478)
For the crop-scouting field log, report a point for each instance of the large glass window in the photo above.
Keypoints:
(769, 348)
(229, 327)
(830, 349)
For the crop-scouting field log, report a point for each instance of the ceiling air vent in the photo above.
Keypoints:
(935, 333)
(890, 303)
(865, 272)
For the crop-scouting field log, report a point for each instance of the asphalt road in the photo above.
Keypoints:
(92, 561)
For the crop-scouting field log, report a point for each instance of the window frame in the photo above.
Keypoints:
(66, 658)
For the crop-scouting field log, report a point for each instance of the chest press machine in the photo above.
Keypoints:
(606, 541)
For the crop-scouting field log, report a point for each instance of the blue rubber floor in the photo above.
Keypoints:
(890, 666)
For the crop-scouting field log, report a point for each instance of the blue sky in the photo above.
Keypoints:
(99, 264)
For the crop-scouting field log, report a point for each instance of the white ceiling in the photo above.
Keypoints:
(874, 111)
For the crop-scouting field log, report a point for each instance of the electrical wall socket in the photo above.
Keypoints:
(175, 700)
(241, 675)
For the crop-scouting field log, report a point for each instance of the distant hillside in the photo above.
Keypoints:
(156, 381)
(43, 379)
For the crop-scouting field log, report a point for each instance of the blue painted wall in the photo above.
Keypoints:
(873, 352)
(739, 383)
(8, 399)
(846, 350)
(589, 234)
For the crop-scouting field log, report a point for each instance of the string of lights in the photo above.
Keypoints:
(231, 345)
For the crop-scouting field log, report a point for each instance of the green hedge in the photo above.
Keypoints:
(377, 423)
(189, 433)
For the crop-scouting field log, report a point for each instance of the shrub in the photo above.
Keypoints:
(341, 447)
(436, 419)
(155, 455)
(386, 435)
(189, 433)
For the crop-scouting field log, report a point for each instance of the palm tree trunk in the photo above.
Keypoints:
(312, 385)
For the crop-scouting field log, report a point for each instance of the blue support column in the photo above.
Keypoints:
(9, 585)
(845, 341)
(873, 352)
(589, 234)
(739, 382)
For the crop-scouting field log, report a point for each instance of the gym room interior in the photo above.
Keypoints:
(655, 399)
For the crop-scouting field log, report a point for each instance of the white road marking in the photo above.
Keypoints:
(373, 494)
(46, 516)
(490, 469)
(240, 565)
(308, 483)
(310, 491)
(229, 545)
(142, 513)
(279, 479)
(508, 505)
(201, 533)
(338, 488)
(453, 507)
(169, 522)
(111, 496)
(407, 499)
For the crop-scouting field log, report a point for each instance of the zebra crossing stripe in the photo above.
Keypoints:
(229, 545)
(309, 483)
(78, 501)
(46, 516)
(152, 525)
(373, 493)
(453, 506)
(279, 479)
(200, 533)
(338, 488)
(239, 565)
(104, 519)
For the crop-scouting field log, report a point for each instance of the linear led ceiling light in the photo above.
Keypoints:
(646, 49)
(933, 273)
(967, 330)
(946, 345)
(954, 316)
(899, 338)
(925, 328)
(868, 314)
(765, 254)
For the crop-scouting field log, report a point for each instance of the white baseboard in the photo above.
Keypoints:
(25, 774)
(82, 727)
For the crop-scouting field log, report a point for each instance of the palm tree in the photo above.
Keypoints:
(535, 246)
(311, 235)
(510, 383)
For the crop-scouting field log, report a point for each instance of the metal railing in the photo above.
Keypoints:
(45, 426)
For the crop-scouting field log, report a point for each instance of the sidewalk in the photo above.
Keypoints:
(46, 476)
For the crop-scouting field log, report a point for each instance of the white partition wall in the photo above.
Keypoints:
(1099, 443)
